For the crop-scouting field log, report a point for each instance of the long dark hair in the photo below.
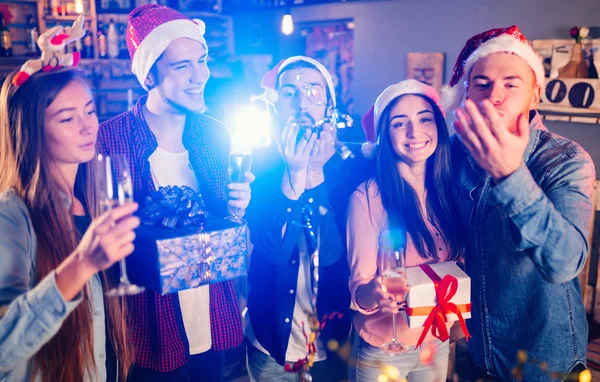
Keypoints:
(25, 166)
(399, 198)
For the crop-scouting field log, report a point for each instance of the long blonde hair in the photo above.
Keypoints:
(25, 166)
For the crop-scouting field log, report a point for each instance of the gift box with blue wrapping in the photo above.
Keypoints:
(181, 248)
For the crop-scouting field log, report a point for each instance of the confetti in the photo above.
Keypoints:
(427, 354)
(302, 366)
(391, 372)
(585, 376)
(333, 345)
(517, 372)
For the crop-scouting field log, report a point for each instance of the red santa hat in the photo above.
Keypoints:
(269, 80)
(150, 30)
(370, 121)
(509, 40)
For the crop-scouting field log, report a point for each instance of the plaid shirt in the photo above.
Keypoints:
(156, 323)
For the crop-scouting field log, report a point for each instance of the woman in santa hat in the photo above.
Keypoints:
(410, 191)
(55, 247)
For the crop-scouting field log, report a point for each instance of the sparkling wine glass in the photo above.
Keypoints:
(392, 267)
(114, 188)
(240, 161)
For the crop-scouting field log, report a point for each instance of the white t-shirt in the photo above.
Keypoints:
(173, 169)
(297, 343)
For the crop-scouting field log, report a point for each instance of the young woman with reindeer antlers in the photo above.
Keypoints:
(55, 249)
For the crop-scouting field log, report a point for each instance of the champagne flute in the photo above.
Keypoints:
(114, 188)
(392, 268)
(240, 161)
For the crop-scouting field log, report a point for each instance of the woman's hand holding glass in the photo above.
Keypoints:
(109, 238)
(389, 302)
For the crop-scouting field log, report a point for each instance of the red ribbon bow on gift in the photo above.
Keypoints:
(445, 289)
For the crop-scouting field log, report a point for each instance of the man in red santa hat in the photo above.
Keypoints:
(299, 209)
(168, 141)
(524, 196)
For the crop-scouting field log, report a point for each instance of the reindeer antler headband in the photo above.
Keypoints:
(52, 43)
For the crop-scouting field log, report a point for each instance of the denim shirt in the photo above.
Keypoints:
(31, 315)
(526, 242)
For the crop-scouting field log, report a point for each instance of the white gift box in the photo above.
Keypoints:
(422, 298)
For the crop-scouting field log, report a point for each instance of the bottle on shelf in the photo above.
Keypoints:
(5, 38)
(78, 45)
(32, 34)
(79, 9)
(63, 8)
(102, 105)
(113, 40)
(129, 99)
(88, 42)
(70, 8)
(123, 51)
(55, 7)
(102, 43)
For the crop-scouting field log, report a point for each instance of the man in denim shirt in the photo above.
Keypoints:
(524, 196)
